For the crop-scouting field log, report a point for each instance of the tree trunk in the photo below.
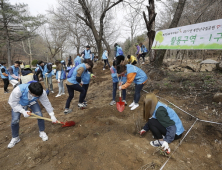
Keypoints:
(9, 53)
(30, 51)
(158, 60)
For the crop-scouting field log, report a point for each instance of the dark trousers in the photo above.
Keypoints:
(138, 88)
(71, 89)
(85, 86)
(6, 83)
(134, 63)
(106, 62)
(119, 59)
(36, 77)
(114, 92)
(158, 130)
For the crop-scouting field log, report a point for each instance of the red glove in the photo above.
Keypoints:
(142, 132)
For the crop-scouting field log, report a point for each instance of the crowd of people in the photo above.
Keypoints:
(163, 121)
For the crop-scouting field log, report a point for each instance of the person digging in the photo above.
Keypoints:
(22, 97)
(163, 122)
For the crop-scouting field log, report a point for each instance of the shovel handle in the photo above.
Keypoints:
(44, 118)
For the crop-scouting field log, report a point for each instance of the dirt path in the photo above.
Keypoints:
(103, 138)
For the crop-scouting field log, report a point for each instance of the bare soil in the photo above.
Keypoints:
(103, 138)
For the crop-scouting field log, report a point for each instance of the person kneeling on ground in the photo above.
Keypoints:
(136, 75)
(163, 122)
(132, 60)
(115, 83)
(27, 74)
(22, 97)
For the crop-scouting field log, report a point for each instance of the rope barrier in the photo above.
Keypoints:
(197, 119)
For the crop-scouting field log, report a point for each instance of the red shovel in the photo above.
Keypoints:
(120, 105)
(66, 124)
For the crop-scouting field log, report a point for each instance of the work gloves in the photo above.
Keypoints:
(142, 132)
(46, 74)
(58, 80)
(25, 113)
(53, 118)
(166, 147)
(120, 87)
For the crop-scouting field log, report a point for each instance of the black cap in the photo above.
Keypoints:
(87, 46)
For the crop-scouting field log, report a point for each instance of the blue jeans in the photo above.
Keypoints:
(106, 61)
(114, 92)
(16, 117)
(61, 87)
(48, 86)
(138, 88)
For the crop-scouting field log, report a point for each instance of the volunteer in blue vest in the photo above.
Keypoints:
(78, 60)
(136, 75)
(143, 51)
(14, 76)
(4, 76)
(36, 73)
(105, 58)
(163, 122)
(116, 81)
(119, 56)
(86, 54)
(138, 52)
(22, 97)
(46, 72)
(73, 83)
(60, 76)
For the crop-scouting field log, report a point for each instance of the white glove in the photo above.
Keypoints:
(120, 87)
(142, 132)
(58, 80)
(166, 147)
(46, 74)
(25, 113)
(54, 120)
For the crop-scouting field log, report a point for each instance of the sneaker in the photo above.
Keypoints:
(81, 105)
(58, 95)
(13, 142)
(155, 143)
(142, 62)
(125, 102)
(103, 68)
(112, 103)
(62, 93)
(85, 103)
(67, 111)
(134, 106)
(43, 136)
(52, 91)
(6, 92)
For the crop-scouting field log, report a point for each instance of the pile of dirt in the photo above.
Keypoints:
(103, 138)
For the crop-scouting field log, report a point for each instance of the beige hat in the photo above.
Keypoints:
(149, 105)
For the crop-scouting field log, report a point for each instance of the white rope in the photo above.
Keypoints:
(178, 144)
(186, 112)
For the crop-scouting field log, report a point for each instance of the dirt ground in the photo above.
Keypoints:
(104, 139)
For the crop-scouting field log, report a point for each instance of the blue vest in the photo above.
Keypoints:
(72, 79)
(77, 60)
(24, 101)
(86, 77)
(15, 72)
(6, 72)
(104, 55)
(141, 76)
(45, 70)
(37, 68)
(87, 54)
(173, 116)
(114, 76)
(61, 76)
(119, 51)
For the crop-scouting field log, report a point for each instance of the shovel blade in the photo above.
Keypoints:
(120, 106)
(69, 123)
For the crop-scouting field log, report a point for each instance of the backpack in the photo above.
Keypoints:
(144, 49)
(71, 71)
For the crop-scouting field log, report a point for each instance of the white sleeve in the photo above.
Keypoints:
(45, 102)
(14, 99)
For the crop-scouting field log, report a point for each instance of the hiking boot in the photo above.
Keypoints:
(67, 111)
(125, 102)
(112, 103)
(58, 95)
(134, 106)
(155, 143)
(43, 136)
(81, 105)
(13, 142)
